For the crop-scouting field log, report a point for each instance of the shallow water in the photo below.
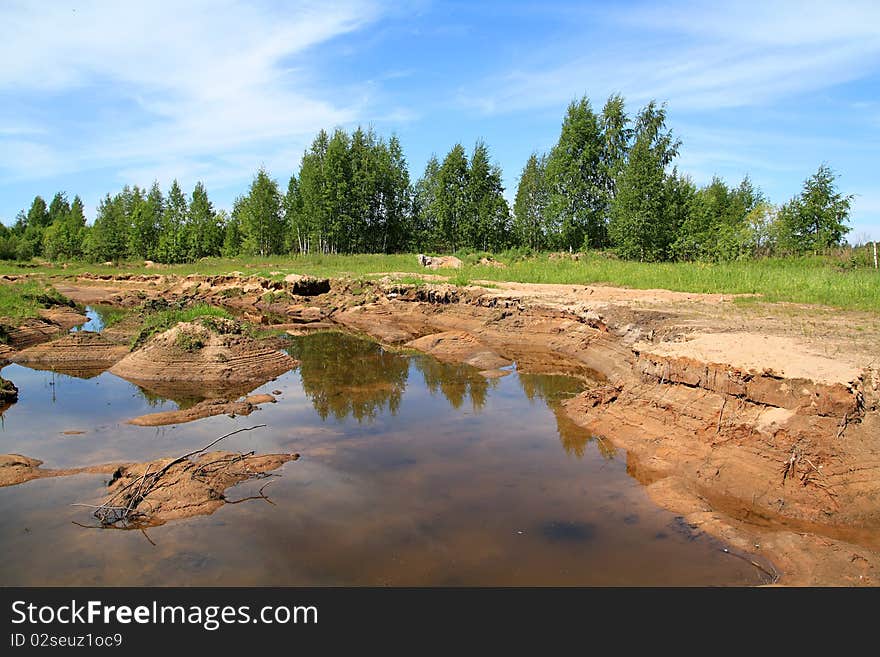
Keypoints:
(412, 472)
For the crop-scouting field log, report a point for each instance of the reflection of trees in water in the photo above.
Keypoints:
(553, 389)
(457, 382)
(183, 400)
(575, 438)
(549, 387)
(343, 375)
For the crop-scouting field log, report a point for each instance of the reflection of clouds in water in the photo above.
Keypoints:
(408, 485)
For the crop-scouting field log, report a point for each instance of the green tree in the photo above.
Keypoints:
(486, 222)
(530, 206)
(337, 193)
(65, 237)
(107, 238)
(38, 214)
(202, 235)
(717, 227)
(451, 202)
(397, 199)
(312, 223)
(426, 223)
(576, 206)
(231, 234)
(616, 136)
(815, 219)
(297, 224)
(640, 227)
(171, 246)
(146, 222)
(260, 217)
(59, 208)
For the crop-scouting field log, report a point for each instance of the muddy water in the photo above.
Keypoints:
(412, 472)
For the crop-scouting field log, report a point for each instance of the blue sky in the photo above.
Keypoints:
(94, 95)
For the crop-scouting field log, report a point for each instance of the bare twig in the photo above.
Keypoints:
(122, 508)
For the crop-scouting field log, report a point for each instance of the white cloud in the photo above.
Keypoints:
(699, 56)
(170, 84)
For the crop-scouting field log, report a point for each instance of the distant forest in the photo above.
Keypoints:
(610, 182)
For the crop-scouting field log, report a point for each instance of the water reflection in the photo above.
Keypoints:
(456, 382)
(423, 494)
(345, 376)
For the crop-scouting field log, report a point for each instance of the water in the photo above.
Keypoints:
(413, 472)
(96, 320)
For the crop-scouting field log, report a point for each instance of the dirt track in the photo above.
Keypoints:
(757, 423)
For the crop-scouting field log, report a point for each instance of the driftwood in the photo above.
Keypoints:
(130, 508)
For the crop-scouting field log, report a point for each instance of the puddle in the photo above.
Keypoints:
(412, 472)
(96, 321)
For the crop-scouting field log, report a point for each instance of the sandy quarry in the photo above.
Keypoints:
(757, 423)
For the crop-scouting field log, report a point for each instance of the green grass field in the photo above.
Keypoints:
(24, 299)
(810, 280)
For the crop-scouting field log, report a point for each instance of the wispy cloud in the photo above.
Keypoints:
(168, 86)
(701, 56)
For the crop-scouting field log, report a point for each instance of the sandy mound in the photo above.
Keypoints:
(78, 354)
(207, 408)
(210, 357)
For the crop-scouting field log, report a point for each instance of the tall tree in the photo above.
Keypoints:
(297, 225)
(530, 206)
(616, 136)
(337, 193)
(398, 199)
(171, 247)
(65, 237)
(231, 233)
(487, 217)
(38, 214)
(815, 219)
(59, 208)
(146, 220)
(259, 214)
(426, 224)
(640, 222)
(202, 235)
(312, 223)
(452, 198)
(107, 238)
(577, 202)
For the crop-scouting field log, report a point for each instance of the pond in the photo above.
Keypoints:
(412, 472)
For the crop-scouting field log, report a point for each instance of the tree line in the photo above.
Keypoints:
(609, 182)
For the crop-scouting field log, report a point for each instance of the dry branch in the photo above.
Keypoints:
(123, 510)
